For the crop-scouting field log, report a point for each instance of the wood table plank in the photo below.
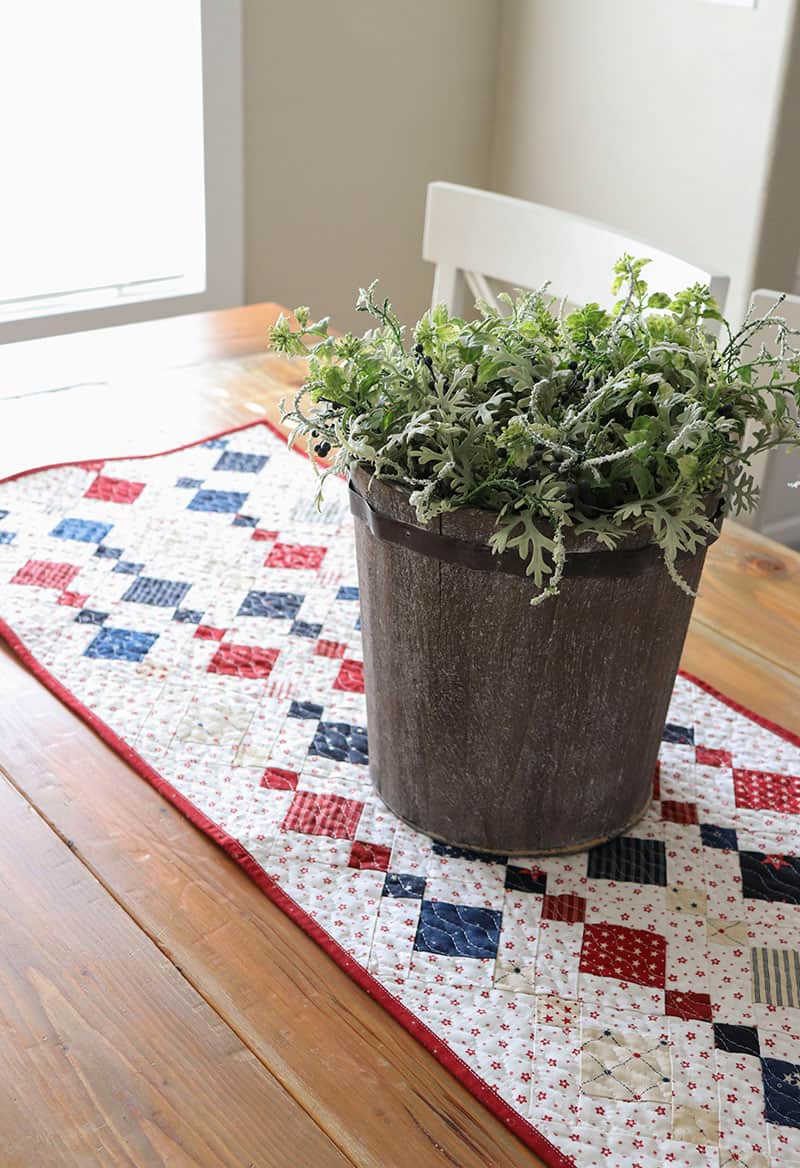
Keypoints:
(109, 1056)
(378, 1094)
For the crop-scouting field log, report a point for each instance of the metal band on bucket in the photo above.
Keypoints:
(481, 558)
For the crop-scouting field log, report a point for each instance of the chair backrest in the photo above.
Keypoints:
(778, 514)
(473, 234)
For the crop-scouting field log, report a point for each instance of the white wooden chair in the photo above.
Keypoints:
(778, 514)
(471, 235)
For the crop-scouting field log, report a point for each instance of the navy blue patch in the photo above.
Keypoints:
(187, 616)
(455, 853)
(454, 930)
(770, 877)
(305, 710)
(3, 514)
(108, 553)
(357, 625)
(639, 861)
(284, 605)
(736, 1039)
(121, 645)
(781, 1092)
(127, 568)
(7, 536)
(304, 629)
(244, 463)
(82, 530)
(341, 741)
(189, 484)
(216, 444)
(403, 886)
(163, 593)
(712, 836)
(228, 502)
(681, 734)
(526, 880)
(347, 592)
(245, 521)
(88, 616)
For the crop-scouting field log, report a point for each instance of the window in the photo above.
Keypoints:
(117, 160)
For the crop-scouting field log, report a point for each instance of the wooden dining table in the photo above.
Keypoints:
(155, 1007)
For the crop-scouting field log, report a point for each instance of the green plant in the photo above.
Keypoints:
(598, 421)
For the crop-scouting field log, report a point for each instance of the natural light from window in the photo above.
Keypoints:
(102, 199)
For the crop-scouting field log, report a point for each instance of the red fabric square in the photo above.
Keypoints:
(566, 907)
(278, 779)
(330, 649)
(708, 756)
(690, 1006)
(45, 574)
(657, 782)
(350, 676)
(289, 555)
(765, 791)
(243, 660)
(260, 533)
(114, 490)
(364, 855)
(330, 815)
(625, 954)
(74, 599)
(207, 633)
(675, 812)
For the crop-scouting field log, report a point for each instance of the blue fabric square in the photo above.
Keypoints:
(453, 930)
(347, 592)
(526, 880)
(305, 710)
(82, 530)
(681, 734)
(303, 629)
(736, 1039)
(403, 886)
(245, 521)
(284, 605)
(187, 616)
(163, 593)
(121, 645)
(88, 616)
(244, 463)
(127, 568)
(188, 484)
(639, 861)
(216, 444)
(224, 501)
(770, 877)
(455, 853)
(781, 1092)
(341, 741)
(712, 836)
(7, 536)
(108, 553)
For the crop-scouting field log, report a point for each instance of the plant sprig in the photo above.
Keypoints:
(602, 422)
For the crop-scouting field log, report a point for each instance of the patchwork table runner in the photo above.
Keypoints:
(632, 1006)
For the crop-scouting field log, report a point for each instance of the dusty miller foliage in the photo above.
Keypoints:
(603, 422)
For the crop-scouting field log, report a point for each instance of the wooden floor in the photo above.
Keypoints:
(155, 1007)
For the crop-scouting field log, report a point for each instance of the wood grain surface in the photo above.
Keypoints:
(172, 919)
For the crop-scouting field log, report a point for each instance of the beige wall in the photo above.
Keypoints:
(655, 116)
(351, 108)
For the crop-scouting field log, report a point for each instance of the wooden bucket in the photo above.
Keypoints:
(499, 727)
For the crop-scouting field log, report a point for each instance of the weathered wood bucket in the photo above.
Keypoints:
(496, 726)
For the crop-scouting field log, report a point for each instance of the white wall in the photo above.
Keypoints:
(351, 108)
(655, 116)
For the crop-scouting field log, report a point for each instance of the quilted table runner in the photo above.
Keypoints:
(632, 1006)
